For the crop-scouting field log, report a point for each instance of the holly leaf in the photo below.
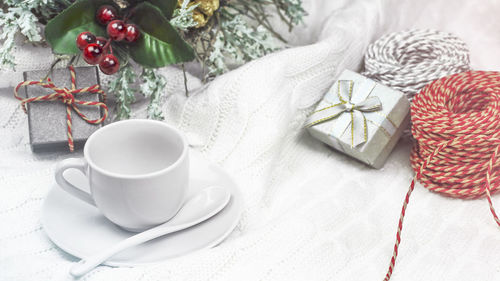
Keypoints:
(166, 7)
(159, 44)
(121, 53)
(62, 30)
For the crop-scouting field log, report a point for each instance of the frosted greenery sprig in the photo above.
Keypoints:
(183, 16)
(8, 32)
(238, 40)
(16, 20)
(122, 88)
(293, 10)
(241, 31)
(153, 87)
(22, 17)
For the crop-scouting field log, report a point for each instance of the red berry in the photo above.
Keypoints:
(133, 33)
(109, 64)
(105, 14)
(101, 41)
(116, 30)
(92, 54)
(84, 38)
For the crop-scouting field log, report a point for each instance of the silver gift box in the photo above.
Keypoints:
(360, 118)
(47, 119)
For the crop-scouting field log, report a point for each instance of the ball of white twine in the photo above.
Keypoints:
(409, 60)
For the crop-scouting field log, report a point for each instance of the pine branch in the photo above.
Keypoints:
(22, 17)
(121, 87)
(153, 87)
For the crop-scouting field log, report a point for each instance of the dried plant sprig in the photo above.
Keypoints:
(23, 18)
(183, 16)
(122, 88)
(241, 31)
(153, 87)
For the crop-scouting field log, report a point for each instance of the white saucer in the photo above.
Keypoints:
(81, 230)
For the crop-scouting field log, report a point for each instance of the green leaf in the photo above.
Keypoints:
(62, 30)
(166, 7)
(159, 44)
(121, 53)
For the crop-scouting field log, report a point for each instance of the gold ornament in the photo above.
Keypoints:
(199, 18)
(204, 11)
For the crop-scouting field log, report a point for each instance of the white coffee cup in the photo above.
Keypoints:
(138, 172)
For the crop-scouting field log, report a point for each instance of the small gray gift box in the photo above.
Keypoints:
(47, 119)
(360, 118)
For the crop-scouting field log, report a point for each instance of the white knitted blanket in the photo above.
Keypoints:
(310, 213)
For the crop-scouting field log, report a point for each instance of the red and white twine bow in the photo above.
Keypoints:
(67, 96)
(456, 125)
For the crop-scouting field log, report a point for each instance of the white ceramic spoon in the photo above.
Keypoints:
(199, 208)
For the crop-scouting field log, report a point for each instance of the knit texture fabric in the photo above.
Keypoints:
(310, 213)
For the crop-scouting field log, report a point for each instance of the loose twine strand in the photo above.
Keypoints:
(67, 96)
(409, 60)
(456, 125)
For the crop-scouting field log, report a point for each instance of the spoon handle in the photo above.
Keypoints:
(87, 264)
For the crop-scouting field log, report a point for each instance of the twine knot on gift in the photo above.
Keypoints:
(356, 110)
(67, 96)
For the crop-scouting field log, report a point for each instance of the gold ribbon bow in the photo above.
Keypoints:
(358, 125)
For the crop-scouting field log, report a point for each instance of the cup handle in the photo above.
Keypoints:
(76, 163)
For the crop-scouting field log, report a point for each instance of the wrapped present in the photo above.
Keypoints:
(63, 110)
(360, 118)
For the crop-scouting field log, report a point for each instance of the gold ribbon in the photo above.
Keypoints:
(358, 125)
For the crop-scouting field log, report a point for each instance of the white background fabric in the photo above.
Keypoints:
(310, 212)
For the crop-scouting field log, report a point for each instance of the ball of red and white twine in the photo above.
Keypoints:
(456, 125)
(409, 60)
